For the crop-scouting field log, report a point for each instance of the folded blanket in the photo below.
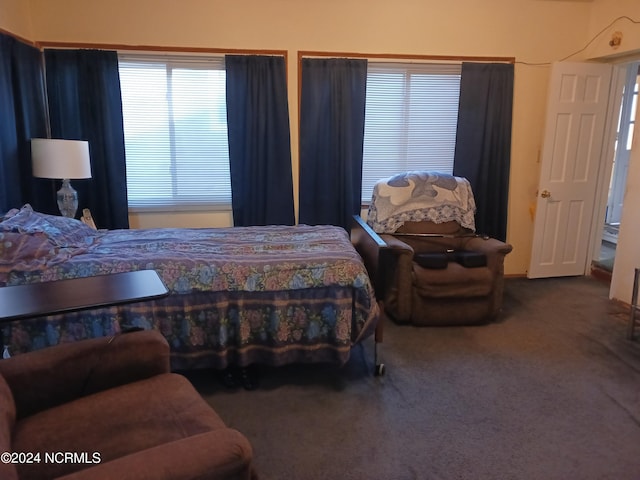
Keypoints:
(419, 196)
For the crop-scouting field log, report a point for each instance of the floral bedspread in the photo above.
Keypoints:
(243, 295)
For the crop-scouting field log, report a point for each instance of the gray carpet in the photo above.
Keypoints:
(550, 391)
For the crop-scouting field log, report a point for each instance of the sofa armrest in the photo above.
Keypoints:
(222, 454)
(494, 249)
(398, 246)
(55, 375)
(400, 283)
(488, 246)
(373, 251)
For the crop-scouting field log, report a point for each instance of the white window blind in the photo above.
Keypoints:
(175, 127)
(410, 121)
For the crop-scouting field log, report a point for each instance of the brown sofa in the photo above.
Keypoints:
(108, 408)
(453, 295)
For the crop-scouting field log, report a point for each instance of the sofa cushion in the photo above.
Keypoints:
(453, 281)
(172, 412)
(439, 260)
(445, 228)
(7, 421)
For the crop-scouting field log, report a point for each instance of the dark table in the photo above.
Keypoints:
(62, 296)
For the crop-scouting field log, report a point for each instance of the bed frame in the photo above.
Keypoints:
(377, 257)
(215, 295)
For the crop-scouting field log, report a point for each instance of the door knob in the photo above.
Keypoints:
(545, 194)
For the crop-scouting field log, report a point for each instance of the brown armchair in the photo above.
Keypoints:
(443, 292)
(109, 408)
(440, 272)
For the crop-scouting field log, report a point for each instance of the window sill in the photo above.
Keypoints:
(180, 208)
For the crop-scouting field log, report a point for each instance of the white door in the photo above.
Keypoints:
(576, 114)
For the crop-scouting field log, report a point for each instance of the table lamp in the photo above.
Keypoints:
(63, 160)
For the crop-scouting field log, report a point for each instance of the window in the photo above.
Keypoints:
(175, 128)
(410, 121)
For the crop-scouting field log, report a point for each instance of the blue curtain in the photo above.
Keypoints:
(332, 112)
(259, 140)
(22, 117)
(483, 141)
(83, 89)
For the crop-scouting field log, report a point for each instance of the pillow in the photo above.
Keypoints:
(61, 231)
(10, 214)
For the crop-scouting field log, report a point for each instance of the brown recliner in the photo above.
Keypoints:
(109, 408)
(427, 290)
(439, 271)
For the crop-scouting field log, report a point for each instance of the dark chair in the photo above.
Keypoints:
(108, 408)
(442, 272)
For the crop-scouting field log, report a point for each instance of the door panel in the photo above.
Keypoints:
(576, 115)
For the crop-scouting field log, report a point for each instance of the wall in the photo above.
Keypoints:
(182, 220)
(15, 17)
(606, 12)
(531, 30)
(627, 251)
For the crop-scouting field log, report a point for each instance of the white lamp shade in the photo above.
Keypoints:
(60, 159)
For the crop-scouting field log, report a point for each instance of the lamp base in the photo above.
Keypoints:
(67, 200)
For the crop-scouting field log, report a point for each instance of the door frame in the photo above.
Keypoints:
(620, 170)
(618, 79)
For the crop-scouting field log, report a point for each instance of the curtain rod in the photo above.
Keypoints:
(398, 56)
(157, 48)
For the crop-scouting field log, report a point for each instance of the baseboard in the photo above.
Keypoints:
(601, 274)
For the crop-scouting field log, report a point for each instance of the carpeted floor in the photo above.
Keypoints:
(550, 391)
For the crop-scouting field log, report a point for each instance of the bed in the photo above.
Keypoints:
(270, 295)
